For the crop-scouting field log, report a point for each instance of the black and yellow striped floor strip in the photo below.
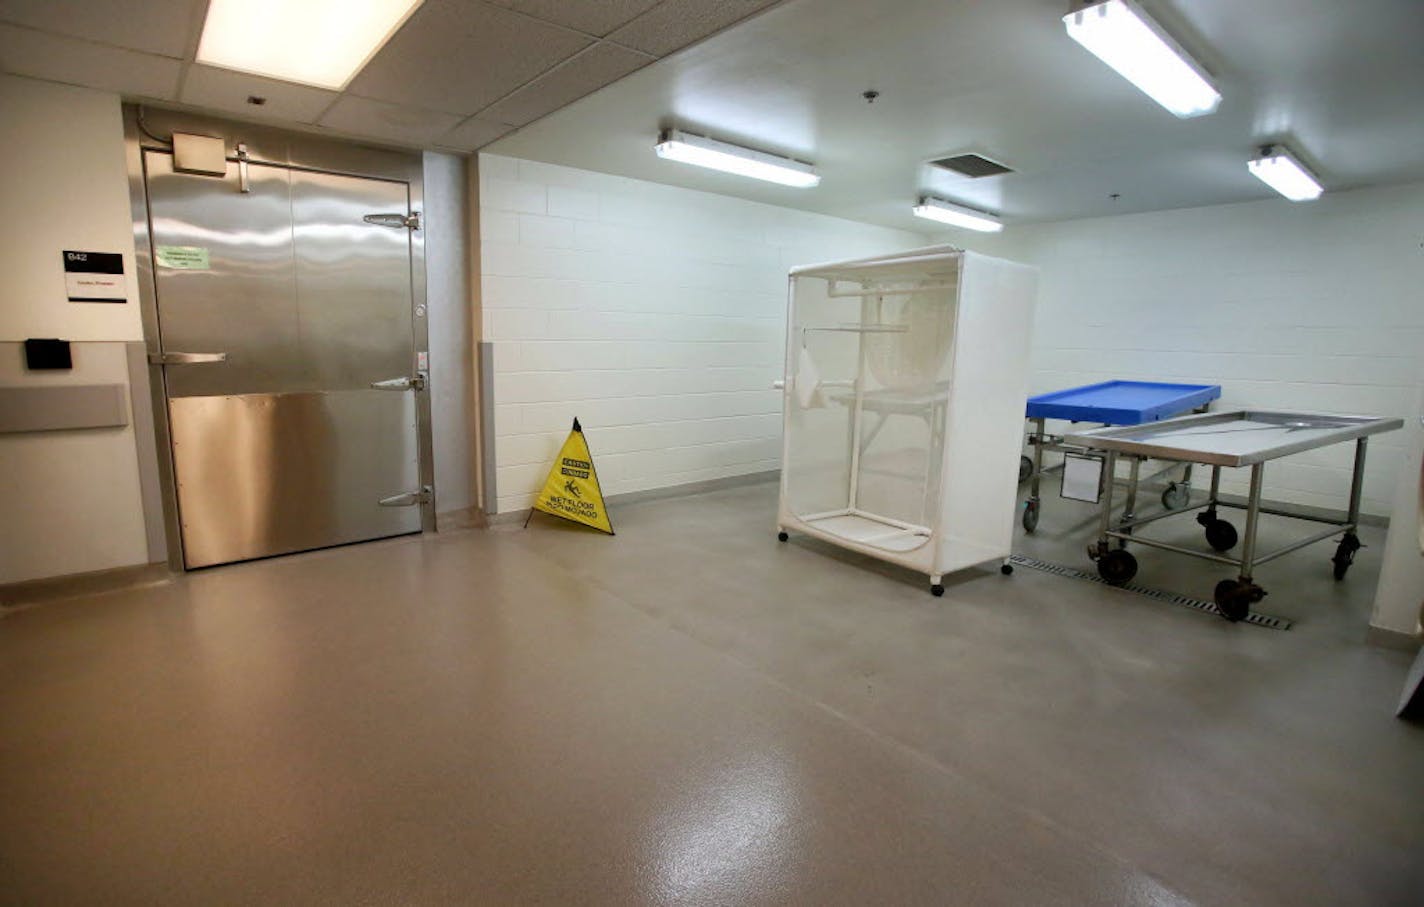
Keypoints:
(1269, 621)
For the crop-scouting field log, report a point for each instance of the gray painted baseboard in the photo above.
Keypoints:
(146, 442)
(654, 494)
(465, 518)
(1392, 639)
(702, 487)
(489, 476)
(15, 595)
(58, 588)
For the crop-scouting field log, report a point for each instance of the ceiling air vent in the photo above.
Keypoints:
(972, 165)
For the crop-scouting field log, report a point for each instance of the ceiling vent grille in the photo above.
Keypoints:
(973, 166)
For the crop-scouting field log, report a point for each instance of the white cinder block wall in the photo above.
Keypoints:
(654, 314)
(1316, 306)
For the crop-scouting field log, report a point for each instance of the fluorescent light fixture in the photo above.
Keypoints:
(957, 215)
(1123, 36)
(1279, 169)
(314, 42)
(704, 152)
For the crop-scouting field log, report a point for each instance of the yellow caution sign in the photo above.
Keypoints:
(572, 491)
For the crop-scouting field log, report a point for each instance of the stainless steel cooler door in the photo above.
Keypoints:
(283, 445)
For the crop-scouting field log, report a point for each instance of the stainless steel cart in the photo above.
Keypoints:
(1230, 439)
(1108, 403)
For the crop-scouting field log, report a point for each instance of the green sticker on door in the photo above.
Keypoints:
(182, 258)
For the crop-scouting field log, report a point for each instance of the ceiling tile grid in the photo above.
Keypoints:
(458, 74)
(160, 27)
(223, 89)
(60, 59)
(593, 17)
(460, 56)
(391, 122)
(474, 133)
(674, 24)
(580, 75)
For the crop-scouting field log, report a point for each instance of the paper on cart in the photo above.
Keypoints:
(808, 382)
(1082, 479)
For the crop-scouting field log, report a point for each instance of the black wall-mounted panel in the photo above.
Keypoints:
(44, 354)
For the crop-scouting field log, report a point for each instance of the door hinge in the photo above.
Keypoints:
(408, 499)
(410, 221)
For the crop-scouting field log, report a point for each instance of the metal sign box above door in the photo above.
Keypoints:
(200, 154)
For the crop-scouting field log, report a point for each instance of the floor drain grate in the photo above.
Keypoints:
(1268, 621)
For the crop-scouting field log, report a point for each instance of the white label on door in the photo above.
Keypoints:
(182, 258)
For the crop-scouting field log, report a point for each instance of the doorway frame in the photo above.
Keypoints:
(282, 148)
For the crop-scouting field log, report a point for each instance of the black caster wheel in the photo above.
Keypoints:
(936, 590)
(1175, 497)
(1117, 566)
(781, 536)
(1345, 555)
(1025, 468)
(1221, 535)
(1030, 516)
(1234, 598)
(1006, 569)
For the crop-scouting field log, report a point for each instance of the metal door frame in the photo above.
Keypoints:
(143, 131)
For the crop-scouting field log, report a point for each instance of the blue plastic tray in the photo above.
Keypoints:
(1122, 402)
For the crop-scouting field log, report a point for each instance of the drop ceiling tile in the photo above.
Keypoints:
(154, 26)
(26, 52)
(677, 23)
(390, 122)
(583, 74)
(223, 89)
(597, 17)
(474, 133)
(460, 56)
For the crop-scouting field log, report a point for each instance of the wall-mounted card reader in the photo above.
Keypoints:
(45, 354)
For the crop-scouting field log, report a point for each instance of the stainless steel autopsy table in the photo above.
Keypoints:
(1228, 439)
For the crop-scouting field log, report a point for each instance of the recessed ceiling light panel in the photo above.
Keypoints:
(1122, 35)
(1279, 169)
(704, 152)
(314, 42)
(937, 209)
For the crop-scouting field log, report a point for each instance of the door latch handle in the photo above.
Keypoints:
(409, 221)
(185, 358)
(402, 383)
(408, 499)
(243, 183)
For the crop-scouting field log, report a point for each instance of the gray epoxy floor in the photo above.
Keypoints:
(693, 713)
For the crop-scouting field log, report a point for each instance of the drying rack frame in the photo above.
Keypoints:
(934, 545)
